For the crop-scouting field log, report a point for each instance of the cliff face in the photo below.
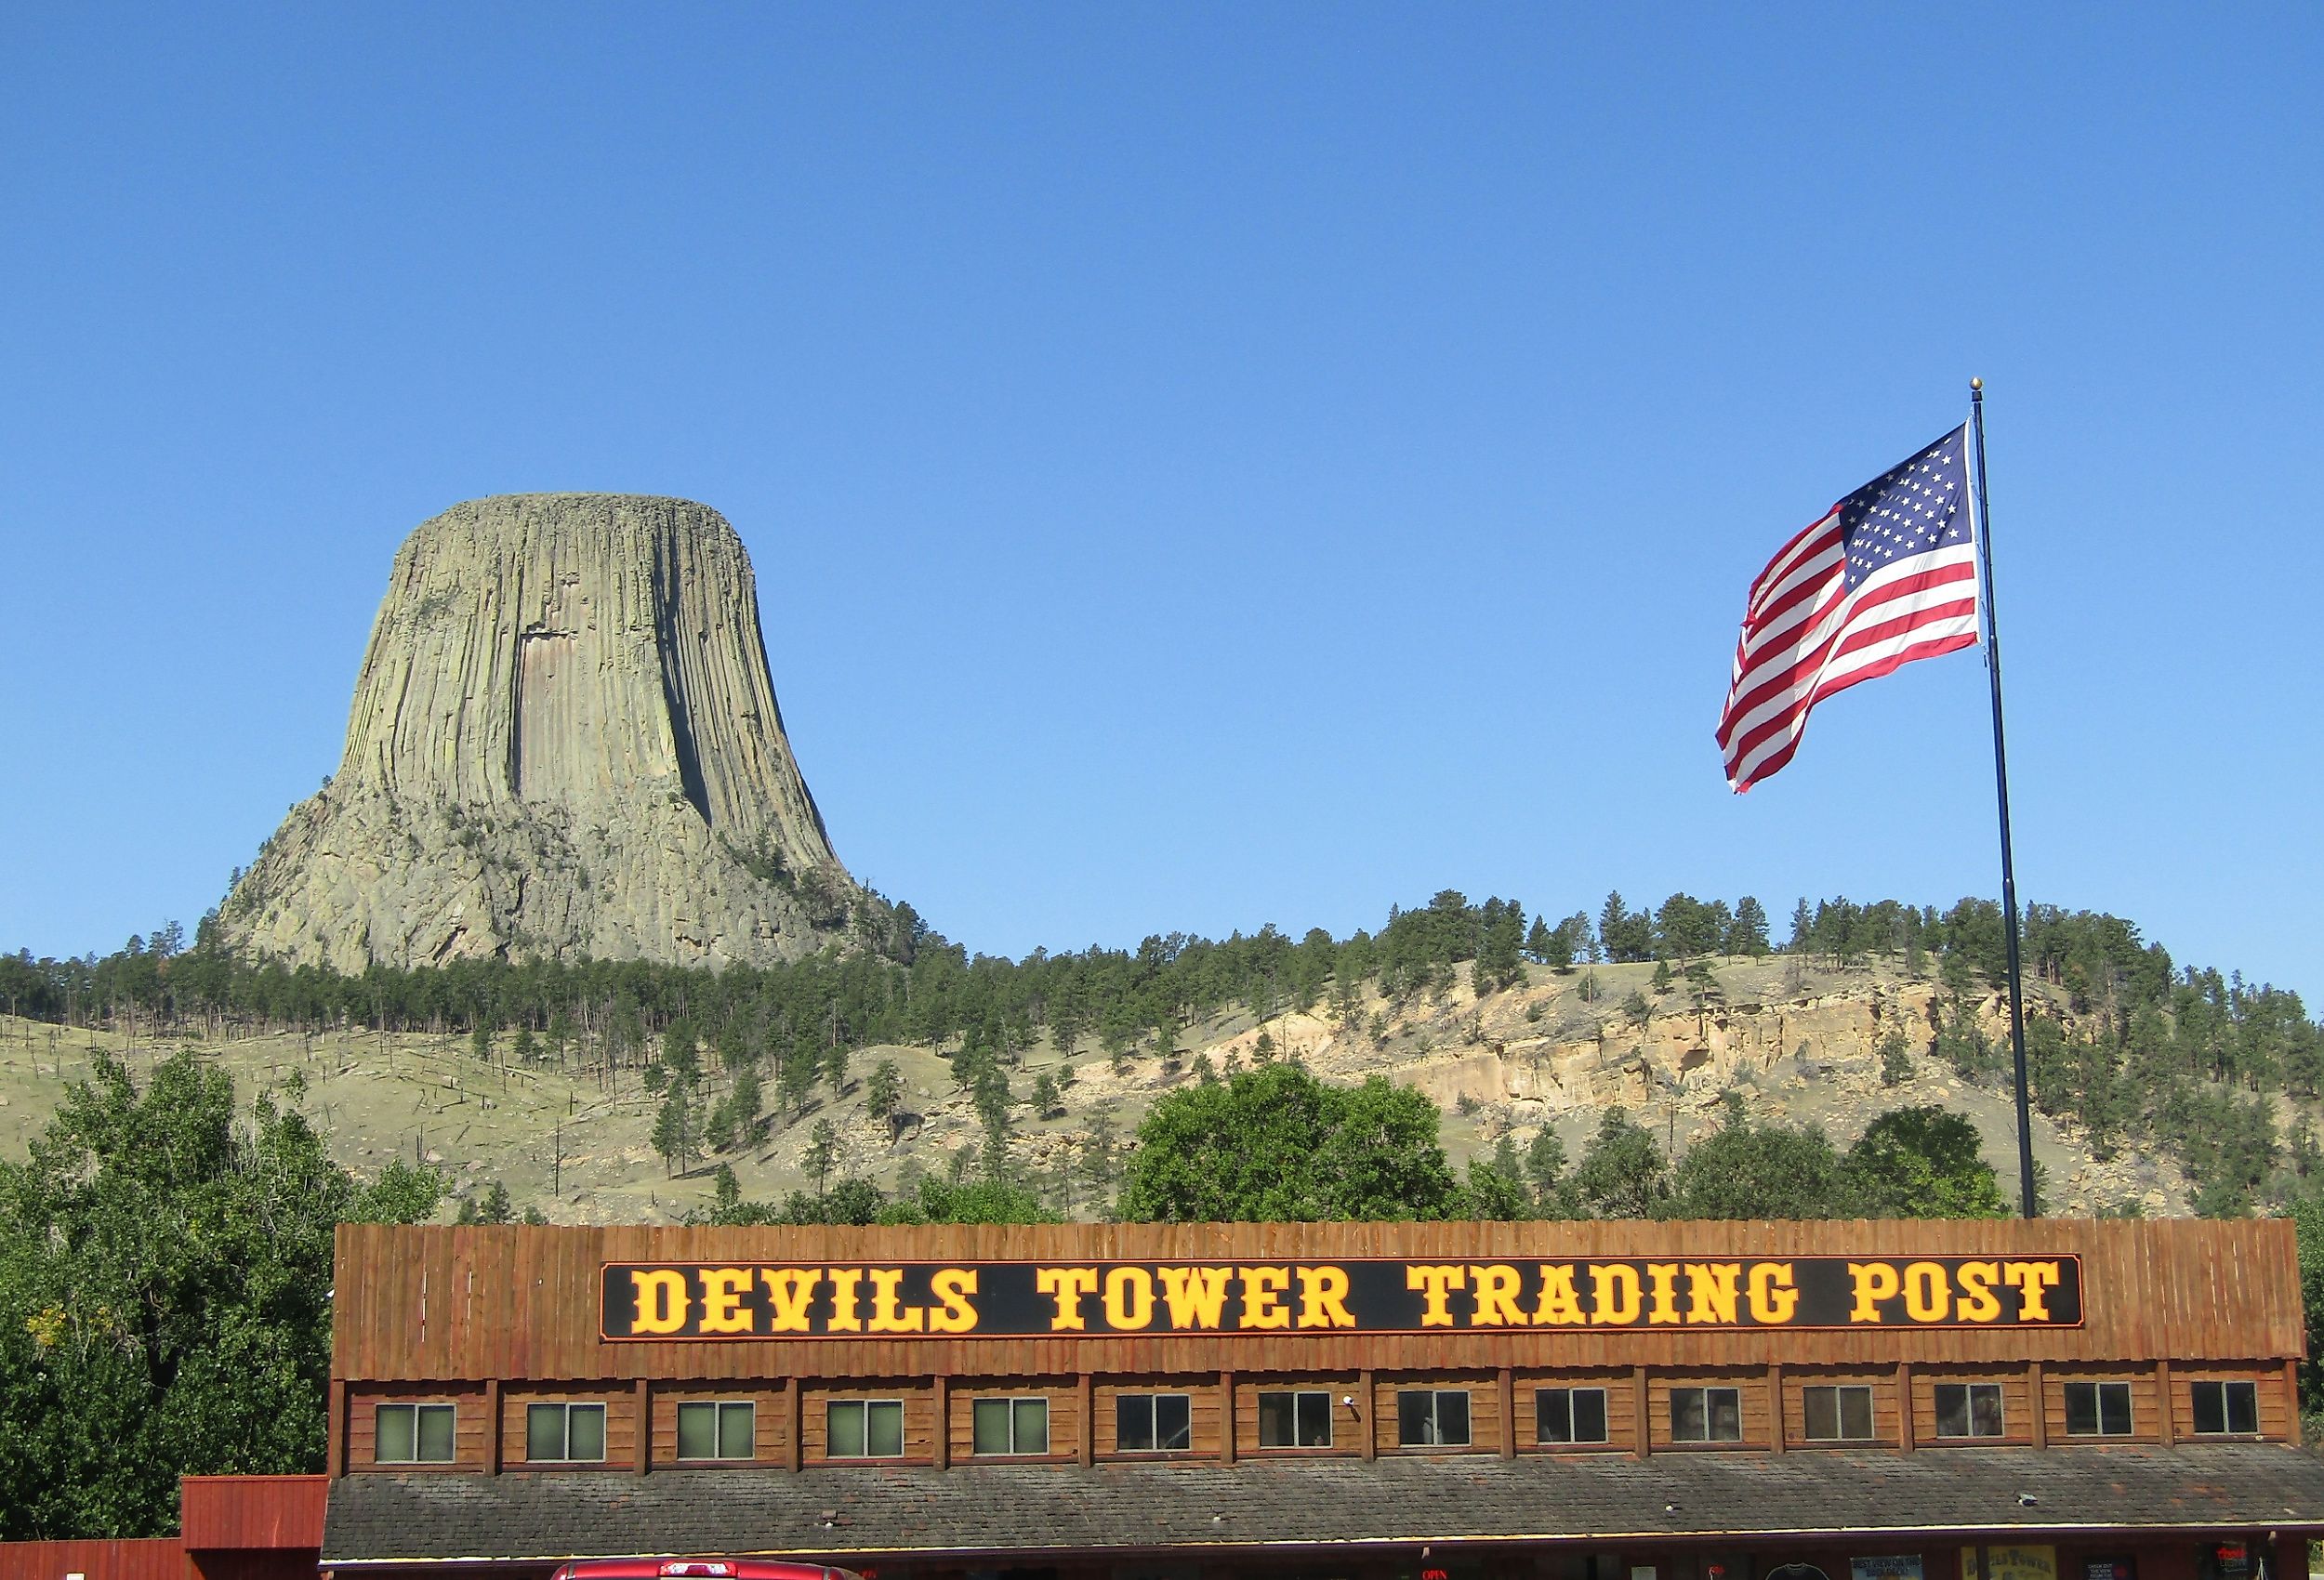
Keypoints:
(564, 743)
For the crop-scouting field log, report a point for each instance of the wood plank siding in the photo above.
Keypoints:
(521, 1303)
(470, 1423)
(1886, 1407)
(494, 1320)
(1203, 1410)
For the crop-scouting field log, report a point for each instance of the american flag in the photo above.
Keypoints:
(1888, 575)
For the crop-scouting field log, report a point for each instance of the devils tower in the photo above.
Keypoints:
(564, 745)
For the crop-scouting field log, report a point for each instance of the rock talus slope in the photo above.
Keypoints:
(564, 744)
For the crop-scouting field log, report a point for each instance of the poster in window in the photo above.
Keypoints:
(2109, 1569)
(2011, 1564)
(1895, 1566)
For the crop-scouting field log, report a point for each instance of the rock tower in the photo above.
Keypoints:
(564, 745)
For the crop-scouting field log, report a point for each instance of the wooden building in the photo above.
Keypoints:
(1975, 1401)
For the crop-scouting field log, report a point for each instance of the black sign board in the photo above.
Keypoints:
(712, 1300)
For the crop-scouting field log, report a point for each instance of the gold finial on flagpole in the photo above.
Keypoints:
(1977, 384)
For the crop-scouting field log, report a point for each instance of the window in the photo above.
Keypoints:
(1294, 1420)
(2226, 1406)
(1569, 1415)
(1149, 1421)
(1706, 1414)
(1968, 1410)
(727, 1430)
(564, 1432)
(412, 1434)
(2098, 1409)
(1839, 1413)
(863, 1429)
(1010, 1426)
(1432, 1418)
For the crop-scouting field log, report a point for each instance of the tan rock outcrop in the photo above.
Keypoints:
(564, 744)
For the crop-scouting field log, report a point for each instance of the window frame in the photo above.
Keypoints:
(1436, 1397)
(1570, 1392)
(2224, 1390)
(862, 1409)
(1297, 1396)
(719, 1409)
(1153, 1409)
(1968, 1392)
(1707, 1393)
(2097, 1391)
(566, 1409)
(1014, 1404)
(1841, 1393)
(415, 1409)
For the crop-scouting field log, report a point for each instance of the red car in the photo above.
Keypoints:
(698, 1569)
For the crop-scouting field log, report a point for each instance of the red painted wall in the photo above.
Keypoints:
(159, 1558)
(252, 1511)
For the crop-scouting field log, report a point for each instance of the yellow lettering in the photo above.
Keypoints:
(1875, 1282)
(1128, 1298)
(1711, 1291)
(790, 1290)
(1067, 1285)
(1663, 1279)
(1433, 1283)
(845, 1317)
(1196, 1295)
(663, 1304)
(723, 1292)
(1928, 1293)
(1978, 1303)
(953, 1287)
(1561, 1302)
(1496, 1286)
(1324, 1297)
(1261, 1290)
(2031, 1280)
(1773, 1295)
(1614, 1294)
(889, 1315)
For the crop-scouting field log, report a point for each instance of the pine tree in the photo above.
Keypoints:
(747, 1103)
(1896, 1059)
(1497, 966)
(796, 1079)
(883, 1095)
(1611, 915)
(1545, 1167)
(823, 1153)
(678, 1053)
(673, 1128)
(492, 1205)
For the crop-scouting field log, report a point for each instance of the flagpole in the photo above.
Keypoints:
(2000, 787)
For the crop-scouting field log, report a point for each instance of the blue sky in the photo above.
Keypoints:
(1205, 465)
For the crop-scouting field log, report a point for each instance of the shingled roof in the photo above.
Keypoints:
(401, 1518)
